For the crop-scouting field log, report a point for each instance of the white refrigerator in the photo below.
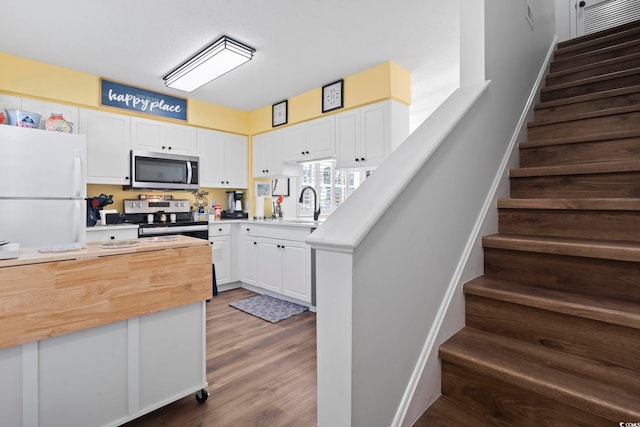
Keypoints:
(42, 187)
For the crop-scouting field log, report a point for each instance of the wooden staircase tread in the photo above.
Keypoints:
(600, 204)
(609, 93)
(607, 391)
(595, 52)
(616, 31)
(447, 412)
(617, 312)
(591, 80)
(578, 169)
(593, 65)
(606, 136)
(585, 116)
(586, 248)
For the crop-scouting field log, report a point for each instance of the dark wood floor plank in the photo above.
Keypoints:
(259, 374)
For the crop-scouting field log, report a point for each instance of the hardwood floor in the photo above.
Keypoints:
(259, 374)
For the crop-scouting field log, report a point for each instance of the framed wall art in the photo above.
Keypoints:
(333, 96)
(280, 187)
(279, 113)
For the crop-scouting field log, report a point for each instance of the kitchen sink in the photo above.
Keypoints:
(301, 221)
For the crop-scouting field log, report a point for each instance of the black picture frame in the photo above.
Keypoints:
(333, 96)
(279, 113)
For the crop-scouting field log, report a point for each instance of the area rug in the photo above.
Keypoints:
(269, 308)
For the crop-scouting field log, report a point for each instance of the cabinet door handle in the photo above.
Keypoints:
(282, 246)
(248, 229)
(302, 152)
(357, 159)
(255, 243)
(163, 147)
(278, 246)
(169, 148)
(219, 229)
(362, 159)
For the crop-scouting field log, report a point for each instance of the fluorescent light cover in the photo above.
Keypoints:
(217, 59)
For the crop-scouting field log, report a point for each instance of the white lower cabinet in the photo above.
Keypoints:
(101, 233)
(285, 267)
(107, 375)
(220, 240)
(277, 259)
(248, 254)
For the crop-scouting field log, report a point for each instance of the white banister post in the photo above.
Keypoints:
(334, 290)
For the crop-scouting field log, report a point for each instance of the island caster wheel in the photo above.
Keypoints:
(202, 396)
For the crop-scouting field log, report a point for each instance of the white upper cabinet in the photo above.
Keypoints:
(366, 136)
(108, 137)
(268, 157)
(155, 136)
(223, 159)
(313, 140)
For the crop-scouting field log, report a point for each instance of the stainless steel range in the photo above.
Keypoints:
(162, 216)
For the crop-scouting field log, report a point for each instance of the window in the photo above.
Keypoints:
(332, 186)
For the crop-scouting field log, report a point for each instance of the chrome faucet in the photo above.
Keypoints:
(316, 212)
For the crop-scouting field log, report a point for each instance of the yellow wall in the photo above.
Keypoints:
(385, 81)
(24, 77)
(28, 78)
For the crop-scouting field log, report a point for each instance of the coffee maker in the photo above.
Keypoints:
(234, 205)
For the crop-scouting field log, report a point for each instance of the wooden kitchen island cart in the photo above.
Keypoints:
(102, 335)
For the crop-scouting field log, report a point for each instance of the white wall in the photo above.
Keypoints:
(403, 239)
(565, 19)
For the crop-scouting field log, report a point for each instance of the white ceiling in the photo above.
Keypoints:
(300, 44)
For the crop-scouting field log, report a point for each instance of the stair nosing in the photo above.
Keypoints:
(584, 248)
(593, 65)
(585, 116)
(577, 169)
(593, 395)
(609, 93)
(595, 40)
(590, 80)
(596, 52)
(599, 204)
(618, 312)
(581, 139)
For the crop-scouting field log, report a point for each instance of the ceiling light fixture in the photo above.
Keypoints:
(217, 59)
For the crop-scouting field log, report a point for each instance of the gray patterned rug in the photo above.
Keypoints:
(269, 308)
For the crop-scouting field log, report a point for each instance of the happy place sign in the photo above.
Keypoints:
(143, 101)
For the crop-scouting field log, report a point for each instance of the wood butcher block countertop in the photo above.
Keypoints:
(48, 294)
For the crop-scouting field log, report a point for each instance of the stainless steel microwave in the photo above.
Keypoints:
(163, 171)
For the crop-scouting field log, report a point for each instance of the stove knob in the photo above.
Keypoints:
(139, 204)
(131, 204)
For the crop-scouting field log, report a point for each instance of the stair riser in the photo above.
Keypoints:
(617, 122)
(566, 53)
(582, 276)
(614, 33)
(580, 153)
(510, 404)
(586, 59)
(551, 93)
(594, 71)
(590, 106)
(601, 185)
(588, 338)
(606, 225)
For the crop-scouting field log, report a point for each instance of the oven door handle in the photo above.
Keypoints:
(149, 231)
